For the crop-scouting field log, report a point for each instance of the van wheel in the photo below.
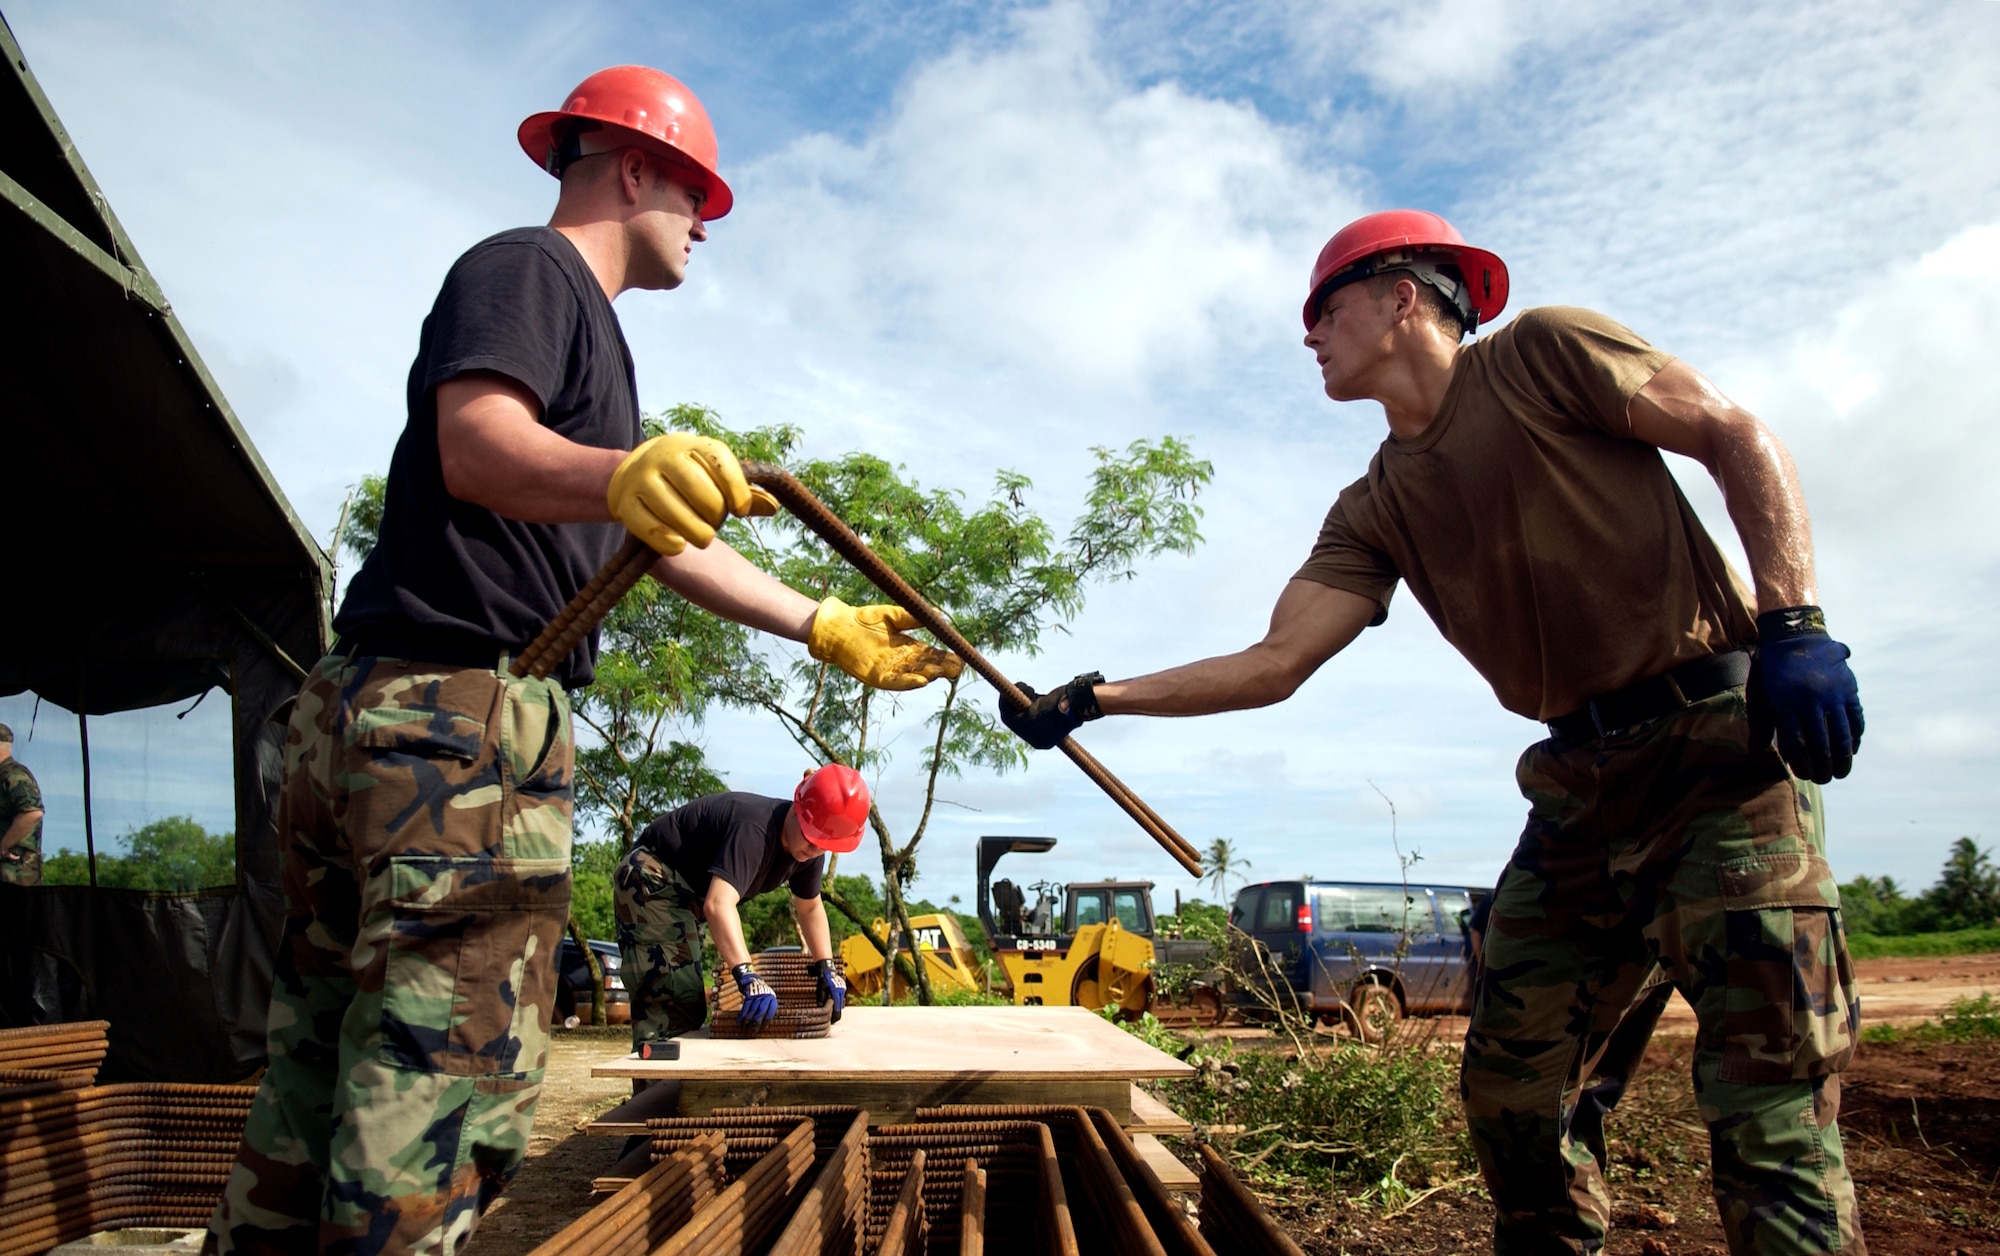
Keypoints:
(565, 1001)
(1378, 1012)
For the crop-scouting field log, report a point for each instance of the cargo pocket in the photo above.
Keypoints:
(469, 980)
(1791, 1012)
(418, 775)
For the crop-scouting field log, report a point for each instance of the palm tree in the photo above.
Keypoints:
(1223, 860)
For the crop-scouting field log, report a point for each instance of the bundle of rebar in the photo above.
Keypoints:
(800, 1013)
(1019, 1178)
(1027, 1208)
(52, 1057)
(1231, 1218)
(77, 1161)
(659, 1203)
(831, 1218)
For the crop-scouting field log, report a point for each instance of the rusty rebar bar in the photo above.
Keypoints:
(596, 599)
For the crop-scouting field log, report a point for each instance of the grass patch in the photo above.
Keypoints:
(1922, 945)
(1967, 1020)
(1379, 1123)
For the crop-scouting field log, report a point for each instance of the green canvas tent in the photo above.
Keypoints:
(152, 559)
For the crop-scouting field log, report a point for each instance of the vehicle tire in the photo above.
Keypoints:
(565, 1000)
(1209, 1008)
(1378, 1011)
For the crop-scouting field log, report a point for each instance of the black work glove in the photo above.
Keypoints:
(1050, 717)
(1814, 701)
(831, 985)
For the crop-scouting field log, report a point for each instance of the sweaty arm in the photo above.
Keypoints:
(811, 915)
(1311, 623)
(1681, 411)
(725, 927)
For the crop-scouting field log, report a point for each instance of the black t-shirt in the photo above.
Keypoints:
(738, 837)
(459, 577)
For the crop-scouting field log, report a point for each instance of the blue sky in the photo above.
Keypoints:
(980, 236)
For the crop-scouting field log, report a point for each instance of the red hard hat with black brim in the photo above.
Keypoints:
(1392, 240)
(636, 106)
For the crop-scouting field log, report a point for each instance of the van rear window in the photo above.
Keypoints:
(1385, 909)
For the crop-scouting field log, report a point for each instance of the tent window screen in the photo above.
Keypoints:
(1374, 910)
(162, 792)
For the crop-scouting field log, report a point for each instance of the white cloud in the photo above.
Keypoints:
(1025, 209)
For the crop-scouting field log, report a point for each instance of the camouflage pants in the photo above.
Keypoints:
(1674, 844)
(22, 865)
(426, 819)
(659, 947)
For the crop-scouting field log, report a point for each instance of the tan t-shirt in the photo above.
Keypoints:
(1551, 549)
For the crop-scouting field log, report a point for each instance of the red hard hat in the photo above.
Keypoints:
(1405, 233)
(832, 806)
(634, 104)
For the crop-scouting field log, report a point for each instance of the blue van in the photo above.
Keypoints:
(1367, 952)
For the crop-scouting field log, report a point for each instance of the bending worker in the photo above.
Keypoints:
(426, 801)
(697, 863)
(1521, 495)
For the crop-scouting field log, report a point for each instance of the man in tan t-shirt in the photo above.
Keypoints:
(1674, 816)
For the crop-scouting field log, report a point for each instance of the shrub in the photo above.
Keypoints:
(1374, 1120)
(1967, 1020)
(175, 855)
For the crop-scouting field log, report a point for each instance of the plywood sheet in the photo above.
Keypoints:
(1151, 1116)
(921, 1044)
(1171, 1170)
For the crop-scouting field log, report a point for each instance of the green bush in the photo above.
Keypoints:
(175, 855)
(1372, 1120)
(1919, 945)
(1967, 1020)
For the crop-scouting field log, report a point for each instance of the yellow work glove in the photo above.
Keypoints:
(675, 491)
(868, 643)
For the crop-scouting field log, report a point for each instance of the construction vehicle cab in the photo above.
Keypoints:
(1086, 944)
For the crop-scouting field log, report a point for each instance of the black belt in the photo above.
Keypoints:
(452, 649)
(1670, 691)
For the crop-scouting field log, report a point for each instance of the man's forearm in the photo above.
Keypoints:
(723, 582)
(1760, 485)
(811, 913)
(1310, 624)
(20, 830)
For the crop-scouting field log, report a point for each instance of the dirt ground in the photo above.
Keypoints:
(1921, 1125)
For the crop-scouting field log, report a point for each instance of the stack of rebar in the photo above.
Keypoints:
(1032, 1179)
(800, 1013)
(1231, 1218)
(39, 1059)
(656, 1206)
(74, 1162)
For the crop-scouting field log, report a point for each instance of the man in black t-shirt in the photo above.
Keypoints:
(697, 863)
(427, 794)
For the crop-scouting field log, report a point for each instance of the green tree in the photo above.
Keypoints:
(1873, 905)
(1967, 895)
(174, 855)
(995, 568)
(1223, 862)
(357, 528)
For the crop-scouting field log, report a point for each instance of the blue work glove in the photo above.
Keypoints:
(1814, 701)
(1050, 717)
(831, 985)
(759, 1003)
